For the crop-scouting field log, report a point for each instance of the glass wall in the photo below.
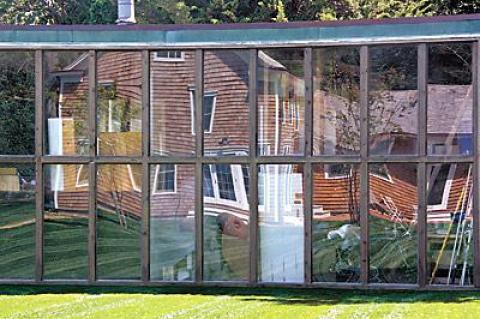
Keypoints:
(392, 221)
(336, 223)
(281, 102)
(66, 98)
(17, 221)
(65, 222)
(172, 222)
(119, 218)
(105, 216)
(281, 223)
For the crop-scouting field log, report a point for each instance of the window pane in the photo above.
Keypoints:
(450, 224)
(281, 102)
(17, 103)
(207, 181)
(165, 178)
(66, 102)
(393, 100)
(392, 223)
(17, 221)
(226, 102)
(450, 98)
(172, 227)
(226, 188)
(336, 223)
(281, 218)
(336, 109)
(226, 217)
(65, 220)
(119, 218)
(171, 102)
(119, 103)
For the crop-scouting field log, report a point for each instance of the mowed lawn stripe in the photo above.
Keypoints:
(48, 302)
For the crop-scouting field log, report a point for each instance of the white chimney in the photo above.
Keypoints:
(126, 12)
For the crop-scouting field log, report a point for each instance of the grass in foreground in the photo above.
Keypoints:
(128, 302)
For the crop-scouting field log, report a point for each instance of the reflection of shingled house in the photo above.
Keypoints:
(226, 131)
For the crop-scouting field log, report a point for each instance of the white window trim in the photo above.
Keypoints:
(241, 199)
(132, 180)
(157, 170)
(192, 103)
(78, 182)
(161, 59)
(446, 189)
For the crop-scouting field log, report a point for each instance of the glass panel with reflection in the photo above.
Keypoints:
(17, 221)
(450, 99)
(66, 102)
(226, 218)
(65, 221)
(392, 220)
(450, 224)
(393, 100)
(225, 106)
(119, 219)
(119, 103)
(172, 98)
(281, 102)
(336, 223)
(281, 223)
(172, 222)
(336, 108)
(17, 103)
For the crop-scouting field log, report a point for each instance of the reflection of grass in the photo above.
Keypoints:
(393, 252)
(148, 302)
(330, 261)
(118, 247)
(66, 242)
(226, 257)
(17, 240)
(65, 248)
(172, 248)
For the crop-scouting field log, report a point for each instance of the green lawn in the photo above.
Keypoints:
(138, 303)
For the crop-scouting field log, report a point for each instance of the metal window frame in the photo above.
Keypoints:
(252, 160)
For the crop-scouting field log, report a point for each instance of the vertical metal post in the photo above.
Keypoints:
(198, 115)
(39, 149)
(476, 176)
(145, 167)
(364, 194)
(422, 68)
(308, 69)
(92, 128)
(253, 187)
